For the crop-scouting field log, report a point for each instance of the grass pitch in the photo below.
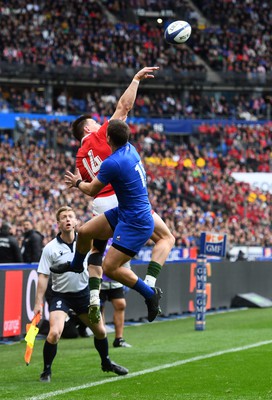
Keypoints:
(230, 360)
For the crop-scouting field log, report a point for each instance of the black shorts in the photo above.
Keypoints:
(109, 294)
(78, 301)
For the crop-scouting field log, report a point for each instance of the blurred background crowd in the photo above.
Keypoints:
(104, 33)
(190, 183)
(68, 58)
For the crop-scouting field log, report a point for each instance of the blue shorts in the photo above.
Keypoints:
(129, 238)
(77, 301)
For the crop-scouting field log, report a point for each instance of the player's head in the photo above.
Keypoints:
(84, 125)
(118, 132)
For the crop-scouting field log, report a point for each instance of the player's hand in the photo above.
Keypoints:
(145, 73)
(71, 179)
(38, 309)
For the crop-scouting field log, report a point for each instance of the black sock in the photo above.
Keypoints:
(95, 283)
(154, 269)
(102, 347)
(49, 353)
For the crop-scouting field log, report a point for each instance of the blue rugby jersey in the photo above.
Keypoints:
(124, 170)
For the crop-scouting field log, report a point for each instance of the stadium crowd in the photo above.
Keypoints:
(82, 34)
(238, 37)
(190, 184)
(156, 104)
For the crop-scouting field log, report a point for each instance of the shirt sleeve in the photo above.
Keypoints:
(103, 130)
(109, 170)
(45, 262)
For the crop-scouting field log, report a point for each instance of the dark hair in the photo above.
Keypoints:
(78, 126)
(118, 132)
(5, 228)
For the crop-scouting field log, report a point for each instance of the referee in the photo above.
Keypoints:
(69, 291)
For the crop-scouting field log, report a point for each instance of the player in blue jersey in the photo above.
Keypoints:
(132, 218)
(130, 224)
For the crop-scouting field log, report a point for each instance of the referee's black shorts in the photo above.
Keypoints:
(77, 301)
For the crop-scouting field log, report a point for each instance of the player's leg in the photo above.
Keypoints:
(114, 269)
(102, 304)
(164, 242)
(95, 261)
(102, 346)
(56, 326)
(119, 306)
(99, 206)
(96, 228)
(95, 278)
(113, 291)
(127, 241)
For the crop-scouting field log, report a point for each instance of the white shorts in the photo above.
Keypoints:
(102, 204)
(99, 206)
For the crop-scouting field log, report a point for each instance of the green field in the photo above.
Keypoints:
(230, 360)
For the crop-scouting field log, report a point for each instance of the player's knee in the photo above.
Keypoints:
(95, 259)
(167, 238)
(100, 245)
(120, 305)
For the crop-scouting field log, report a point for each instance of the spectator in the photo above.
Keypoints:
(32, 243)
(9, 247)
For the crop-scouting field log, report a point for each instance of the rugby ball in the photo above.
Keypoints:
(177, 32)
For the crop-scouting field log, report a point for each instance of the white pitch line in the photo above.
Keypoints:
(150, 370)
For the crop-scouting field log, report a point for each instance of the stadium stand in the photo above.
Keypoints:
(167, 104)
(67, 59)
(190, 184)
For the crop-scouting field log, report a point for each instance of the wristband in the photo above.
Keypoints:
(78, 182)
(136, 80)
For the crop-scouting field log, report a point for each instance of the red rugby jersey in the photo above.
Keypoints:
(93, 151)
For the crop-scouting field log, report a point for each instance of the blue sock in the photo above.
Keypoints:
(142, 288)
(78, 260)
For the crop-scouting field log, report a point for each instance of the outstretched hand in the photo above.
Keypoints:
(71, 179)
(145, 73)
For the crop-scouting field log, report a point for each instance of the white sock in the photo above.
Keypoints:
(94, 297)
(150, 280)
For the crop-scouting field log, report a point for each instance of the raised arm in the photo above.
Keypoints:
(127, 99)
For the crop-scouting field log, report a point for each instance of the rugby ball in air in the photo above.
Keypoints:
(177, 32)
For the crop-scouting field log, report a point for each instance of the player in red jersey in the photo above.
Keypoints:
(94, 149)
